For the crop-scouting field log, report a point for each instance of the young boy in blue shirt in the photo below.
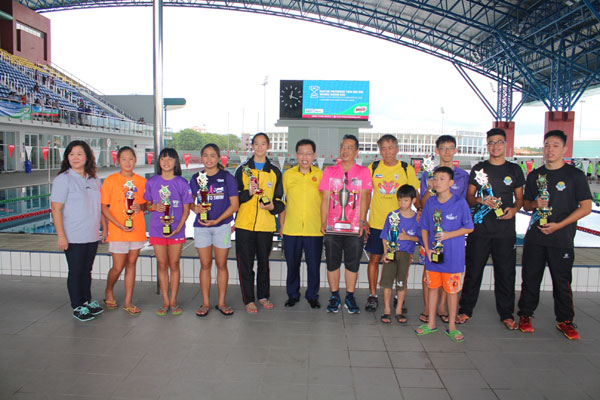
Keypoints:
(455, 223)
(400, 227)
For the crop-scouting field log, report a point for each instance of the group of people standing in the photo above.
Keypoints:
(437, 212)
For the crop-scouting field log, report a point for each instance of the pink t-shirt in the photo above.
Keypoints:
(358, 178)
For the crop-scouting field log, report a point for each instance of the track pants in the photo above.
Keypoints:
(80, 259)
(560, 262)
(504, 257)
(292, 249)
(250, 244)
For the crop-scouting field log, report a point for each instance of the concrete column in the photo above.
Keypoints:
(564, 121)
(509, 128)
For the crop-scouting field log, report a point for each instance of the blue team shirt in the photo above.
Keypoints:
(410, 226)
(461, 183)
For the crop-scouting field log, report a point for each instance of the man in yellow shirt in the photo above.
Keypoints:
(388, 175)
(301, 224)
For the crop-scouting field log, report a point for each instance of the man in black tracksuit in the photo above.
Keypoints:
(568, 194)
(492, 180)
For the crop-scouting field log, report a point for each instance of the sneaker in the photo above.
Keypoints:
(372, 303)
(83, 314)
(525, 324)
(94, 307)
(568, 329)
(334, 304)
(350, 304)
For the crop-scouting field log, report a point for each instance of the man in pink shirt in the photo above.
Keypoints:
(349, 244)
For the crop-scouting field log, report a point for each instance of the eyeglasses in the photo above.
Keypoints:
(500, 142)
(444, 149)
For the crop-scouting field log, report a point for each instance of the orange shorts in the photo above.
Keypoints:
(450, 282)
(165, 241)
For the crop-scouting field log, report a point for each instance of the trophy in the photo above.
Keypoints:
(428, 167)
(343, 197)
(165, 199)
(543, 212)
(394, 220)
(202, 197)
(254, 180)
(130, 190)
(486, 191)
(438, 247)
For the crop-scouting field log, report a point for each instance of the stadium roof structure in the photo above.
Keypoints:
(548, 50)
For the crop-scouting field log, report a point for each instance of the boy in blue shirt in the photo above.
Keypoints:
(401, 228)
(454, 218)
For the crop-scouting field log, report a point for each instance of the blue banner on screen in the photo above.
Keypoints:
(335, 99)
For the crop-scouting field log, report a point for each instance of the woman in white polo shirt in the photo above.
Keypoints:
(77, 216)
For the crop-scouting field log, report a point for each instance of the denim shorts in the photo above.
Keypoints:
(218, 236)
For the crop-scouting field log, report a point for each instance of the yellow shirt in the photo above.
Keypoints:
(386, 181)
(303, 202)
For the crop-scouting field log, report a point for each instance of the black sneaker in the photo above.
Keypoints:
(291, 302)
(314, 303)
(83, 314)
(350, 304)
(94, 307)
(372, 303)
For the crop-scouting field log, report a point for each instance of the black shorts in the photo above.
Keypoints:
(374, 244)
(348, 247)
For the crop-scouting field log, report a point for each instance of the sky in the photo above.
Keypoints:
(218, 60)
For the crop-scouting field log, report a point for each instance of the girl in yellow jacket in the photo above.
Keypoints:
(260, 192)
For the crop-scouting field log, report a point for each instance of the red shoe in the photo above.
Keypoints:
(525, 324)
(568, 329)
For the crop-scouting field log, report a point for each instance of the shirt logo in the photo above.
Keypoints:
(355, 181)
(314, 178)
(269, 184)
(560, 186)
(396, 177)
(507, 180)
(411, 232)
(455, 187)
(175, 203)
(388, 187)
(220, 180)
(378, 176)
(451, 217)
(566, 255)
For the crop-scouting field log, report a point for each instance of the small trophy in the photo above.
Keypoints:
(486, 191)
(202, 180)
(394, 220)
(428, 167)
(130, 190)
(543, 212)
(438, 247)
(165, 199)
(254, 180)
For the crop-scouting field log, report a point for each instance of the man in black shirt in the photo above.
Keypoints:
(549, 238)
(496, 194)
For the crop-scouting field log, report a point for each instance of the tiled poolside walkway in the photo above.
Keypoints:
(296, 353)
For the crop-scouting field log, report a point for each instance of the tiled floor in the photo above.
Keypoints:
(296, 353)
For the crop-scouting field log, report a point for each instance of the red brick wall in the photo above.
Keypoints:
(32, 47)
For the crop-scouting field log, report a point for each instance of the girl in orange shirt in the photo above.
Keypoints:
(122, 203)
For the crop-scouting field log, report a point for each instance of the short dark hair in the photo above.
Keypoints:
(387, 138)
(496, 131)
(556, 133)
(304, 142)
(351, 137)
(261, 134)
(126, 148)
(445, 139)
(406, 191)
(172, 153)
(446, 170)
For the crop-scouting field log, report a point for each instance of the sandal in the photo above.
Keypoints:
(110, 304)
(161, 312)
(385, 318)
(176, 310)
(510, 324)
(425, 330)
(424, 317)
(401, 319)
(266, 303)
(133, 310)
(455, 335)
(202, 311)
(462, 319)
(444, 318)
(225, 310)
(251, 308)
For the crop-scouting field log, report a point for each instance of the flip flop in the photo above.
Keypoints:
(176, 310)
(510, 324)
(444, 318)
(401, 319)
(266, 303)
(425, 330)
(226, 310)
(386, 318)
(161, 312)
(454, 335)
(251, 308)
(202, 311)
(424, 317)
(110, 304)
(133, 310)
(461, 321)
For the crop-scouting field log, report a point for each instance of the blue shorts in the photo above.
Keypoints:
(374, 244)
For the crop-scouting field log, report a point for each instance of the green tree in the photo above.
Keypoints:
(189, 139)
